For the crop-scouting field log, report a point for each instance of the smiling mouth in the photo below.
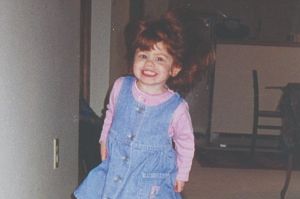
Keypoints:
(149, 73)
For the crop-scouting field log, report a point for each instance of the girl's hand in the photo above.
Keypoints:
(179, 186)
(103, 151)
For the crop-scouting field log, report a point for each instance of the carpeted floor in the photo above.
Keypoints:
(243, 159)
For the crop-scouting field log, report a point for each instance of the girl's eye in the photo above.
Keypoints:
(160, 59)
(142, 56)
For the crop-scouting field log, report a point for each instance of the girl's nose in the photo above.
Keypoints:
(149, 62)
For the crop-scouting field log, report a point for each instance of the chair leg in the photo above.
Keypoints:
(253, 142)
(288, 176)
(255, 113)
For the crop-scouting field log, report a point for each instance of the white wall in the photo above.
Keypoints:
(233, 91)
(119, 21)
(108, 62)
(39, 88)
(100, 53)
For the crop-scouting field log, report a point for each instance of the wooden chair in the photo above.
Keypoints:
(257, 114)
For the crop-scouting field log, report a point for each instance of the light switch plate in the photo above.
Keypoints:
(55, 153)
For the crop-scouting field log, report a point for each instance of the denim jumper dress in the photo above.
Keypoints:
(141, 162)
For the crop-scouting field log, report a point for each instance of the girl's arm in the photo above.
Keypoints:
(183, 136)
(103, 151)
(179, 185)
(109, 116)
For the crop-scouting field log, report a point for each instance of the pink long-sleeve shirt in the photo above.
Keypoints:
(180, 129)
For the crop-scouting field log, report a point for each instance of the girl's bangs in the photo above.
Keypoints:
(146, 43)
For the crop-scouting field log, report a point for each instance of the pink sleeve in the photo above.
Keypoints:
(110, 109)
(183, 136)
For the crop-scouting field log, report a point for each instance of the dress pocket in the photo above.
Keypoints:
(155, 185)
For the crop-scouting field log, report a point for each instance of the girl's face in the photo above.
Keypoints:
(153, 68)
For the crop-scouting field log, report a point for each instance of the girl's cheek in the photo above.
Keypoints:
(138, 63)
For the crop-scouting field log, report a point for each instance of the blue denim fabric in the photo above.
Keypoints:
(141, 161)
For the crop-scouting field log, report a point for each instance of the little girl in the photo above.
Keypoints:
(147, 142)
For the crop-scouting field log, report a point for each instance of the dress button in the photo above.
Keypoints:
(140, 109)
(131, 136)
(125, 158)
(117, 179)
